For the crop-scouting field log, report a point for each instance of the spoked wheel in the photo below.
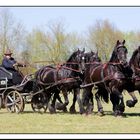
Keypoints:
(23, 106)
(1, 102)
(39, 103)
(14, 102)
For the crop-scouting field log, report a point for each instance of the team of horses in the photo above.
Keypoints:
(85, 70)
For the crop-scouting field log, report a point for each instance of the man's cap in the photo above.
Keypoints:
(8, 52)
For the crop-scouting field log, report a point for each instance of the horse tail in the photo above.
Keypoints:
(103, 93)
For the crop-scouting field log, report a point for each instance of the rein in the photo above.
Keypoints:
(65, 67)
(58, 66)
(104, 79)
(112, 63)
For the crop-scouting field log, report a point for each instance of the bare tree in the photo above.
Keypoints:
(11, 32)
(103, 36)
(51, 44)
(132, 40)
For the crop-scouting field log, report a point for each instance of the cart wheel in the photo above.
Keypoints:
(14, 102)
(23, 106)
(0, 102)
(39, 103)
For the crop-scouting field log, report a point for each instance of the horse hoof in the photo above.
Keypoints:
(65, 110)
(72, 110)
(52, 110)
(130, 103)
(82, 111)
(119, 114)
(116, 113)
(59, 106)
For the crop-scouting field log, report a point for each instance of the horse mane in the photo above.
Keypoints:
(113, 56)
(71, 57)
(114, 53)
(132, 59)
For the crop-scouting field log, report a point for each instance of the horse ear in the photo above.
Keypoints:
(123, 42)
(96, 54)
(118, 42)
(83, 50)
(91, 51)
(139, 49)
(78, 50)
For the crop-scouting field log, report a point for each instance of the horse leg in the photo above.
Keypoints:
(119, 109)
(115, 101)
(99, 105)
(59, 105)
(52, 108)
(130, 88)
(90, 104)
(121, 105)
(72, 108)
(81, 108)
(66, 100)
(131, 103)
(102, 93)
(87, 100)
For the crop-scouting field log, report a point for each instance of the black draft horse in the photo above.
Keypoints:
(110, 77)
(64, 78)
(90, 58)
(135, 65)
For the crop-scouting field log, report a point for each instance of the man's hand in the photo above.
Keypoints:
(21, 64)
(16, 64)
(24, 65)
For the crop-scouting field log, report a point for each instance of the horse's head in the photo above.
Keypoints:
(75, 60)
(120, 53)
(135, 59)
(89, 58)
(92, 57)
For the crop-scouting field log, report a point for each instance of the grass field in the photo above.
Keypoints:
(36, 123)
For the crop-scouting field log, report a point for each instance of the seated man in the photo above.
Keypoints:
(9, 64)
